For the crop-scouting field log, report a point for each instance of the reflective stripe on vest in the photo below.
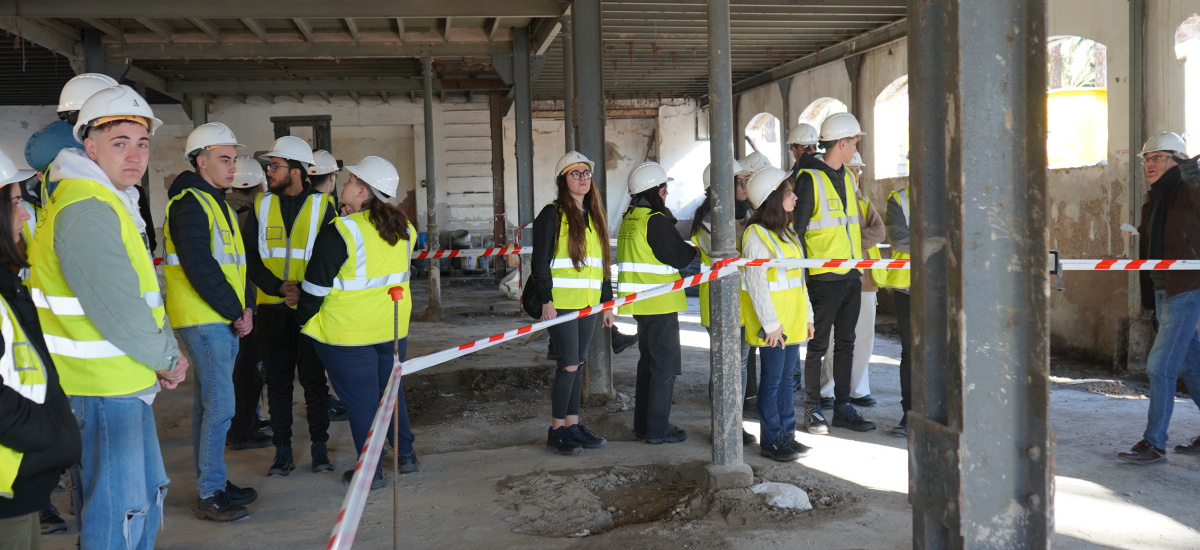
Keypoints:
(88, 364)
(277, 243)
(900, 278)
(23, 372)
(357, 309)
(833, 229)
(644, 270)
(789, 296)
(879, 276)
(185, 306)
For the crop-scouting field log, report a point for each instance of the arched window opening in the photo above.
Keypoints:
(1077, 102)
(891, 130)
(1187, 50)
(816, 111)
(764, 135)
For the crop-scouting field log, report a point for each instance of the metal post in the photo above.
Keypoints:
(979, 459)
(568, 46)
(739, 132)
(499, 216)
(199, 110)
(589, 68)
(1140, 331)
(785, 86)
(727, 469)
(434, 312)
(524, 123)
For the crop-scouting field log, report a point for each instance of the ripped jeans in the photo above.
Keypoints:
(124, 482)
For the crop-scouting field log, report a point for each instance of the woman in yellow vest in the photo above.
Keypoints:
(345, 306)
(650, 253)
(775, 309)
(570, 266)
(38, 434)
(897, 223)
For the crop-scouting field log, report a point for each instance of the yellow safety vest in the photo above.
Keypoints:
(184, 306)
(833, 229)
(577, 288)
(900, 278)
(639, 270)
(88, 364)
(788, 294)
(878, 275)
(706, 263)
(278, 245)
(24, 372)
(357, 310)
(27, 232)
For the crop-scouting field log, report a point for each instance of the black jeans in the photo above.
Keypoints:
(571, 340)
(835, 307)
(286, 352)
(247, 386)
(660, 362)
(904, 326)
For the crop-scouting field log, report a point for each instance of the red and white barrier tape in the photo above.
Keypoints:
(474, 252)
(1130, 265)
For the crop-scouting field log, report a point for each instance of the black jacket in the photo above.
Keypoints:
(663, 238)
(289, 208)
(192, 236)
(47, 434)
(545, 231)
(806, 204)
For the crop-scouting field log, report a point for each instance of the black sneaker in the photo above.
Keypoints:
(560, 442)
(864, 401)
(747, 439)
(256, 441)
(409, 464)
(621, 342)
(376, 483)
(827, 403)
(239, 495)
(585, 438)
(283, 464)
(1192, 448)
(320, 458)
(1143, 453)
(814, 422)
(901, 429)
(337, 410)
(51, 521)
(799, 447)
(264, 426)
(673, 435)
(846, 416)
(219, 508)
(779, 450)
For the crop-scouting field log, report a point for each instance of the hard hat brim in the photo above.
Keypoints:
(20, 175)
(591, 166)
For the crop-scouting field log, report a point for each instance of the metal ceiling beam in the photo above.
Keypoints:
(325, 85)
(155, 27)
(493, 25)
(255, 27)
(400, 28)
(352, 27)
(859, 44)
(304, 27)
(215, 9)
(104, 27)
(306, 50)
(544, 33)
(40, 34)
(446, 23)
(211, 30)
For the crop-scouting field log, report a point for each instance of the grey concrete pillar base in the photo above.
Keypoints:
(729, 476)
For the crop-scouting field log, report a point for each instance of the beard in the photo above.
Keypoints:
(277, 186)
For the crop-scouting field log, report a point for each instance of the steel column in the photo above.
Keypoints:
(979, 458)
(432, 240)
(1137, 136)
(785, 86)
(568, 47)
(727, 469)
(524, 124)
(499, 217)
(589, 72)
(199, 110)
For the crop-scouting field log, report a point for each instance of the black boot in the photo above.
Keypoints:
(283, 463)
(560, 442)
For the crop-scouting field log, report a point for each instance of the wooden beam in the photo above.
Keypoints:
(155, 27)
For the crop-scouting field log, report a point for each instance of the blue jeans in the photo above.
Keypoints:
(211, 349)
(776, 412)
(359, 375)
(1175, 353)
(122, 473)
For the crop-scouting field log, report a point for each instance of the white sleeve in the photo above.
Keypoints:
(756, 282)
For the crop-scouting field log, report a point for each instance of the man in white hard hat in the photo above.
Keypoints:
(1170, 228)
(103, 317)
(323, 175)
(802, 140)
(205, 272)
(827, 215)
(279, 234)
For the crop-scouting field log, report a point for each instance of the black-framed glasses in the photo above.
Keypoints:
(274, 167)
(580, 174)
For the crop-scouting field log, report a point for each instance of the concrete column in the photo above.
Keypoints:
(979, 453)
(434, 312)
(499, 215)
(568, 45)
(589, 68)
(727, 468)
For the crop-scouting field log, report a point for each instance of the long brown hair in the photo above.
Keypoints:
(10, 253)
(771, 214)
(388, 219)
(576, 230)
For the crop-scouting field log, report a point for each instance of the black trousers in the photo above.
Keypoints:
(286, 353)
(571, 340)
(903, 304)
(659, 364)
(835, 307)
(247, 386)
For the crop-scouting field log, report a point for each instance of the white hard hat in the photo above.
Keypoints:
(737, 169)
(803, 134)
(1167, 142)
(213, 134)
(856, 161)
(9, 172)
(840, 126)
(115, 101)
(378, 173)
(647, 175)
(80, 88)
(762, 183)
(571, 159)
(292, 148)
(754, 161)
(249, 173)
(325, 163)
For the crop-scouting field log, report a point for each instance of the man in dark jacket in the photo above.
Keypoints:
(1170, 230)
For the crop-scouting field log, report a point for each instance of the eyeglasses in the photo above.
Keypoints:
(740, 180)
(1154, 159)
(274, 167)
(580, 174)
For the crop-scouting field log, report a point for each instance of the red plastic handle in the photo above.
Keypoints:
(397, 293)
